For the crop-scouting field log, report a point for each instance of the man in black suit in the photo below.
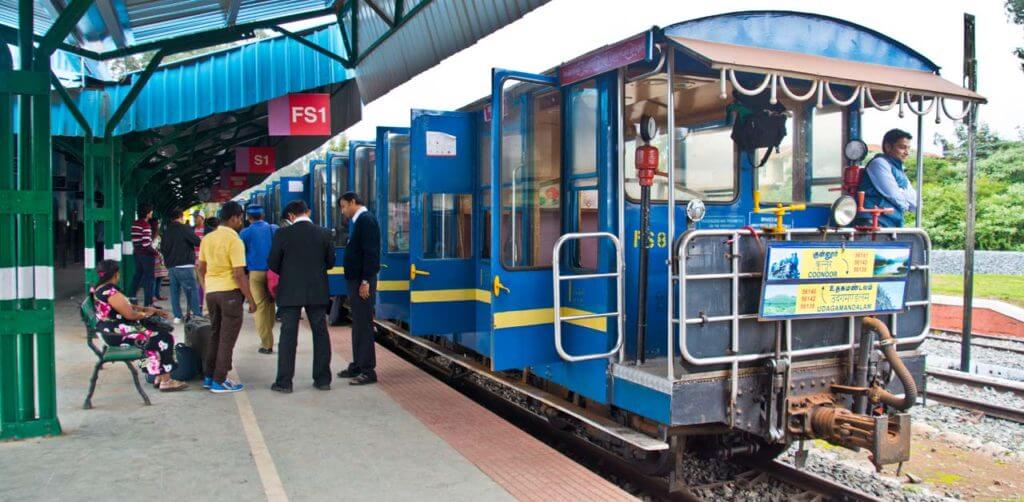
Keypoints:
(362, 262)
(300, 254)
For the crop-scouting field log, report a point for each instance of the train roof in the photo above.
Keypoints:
(833, 49)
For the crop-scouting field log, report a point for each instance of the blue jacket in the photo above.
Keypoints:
(885, 185)
(257, 239)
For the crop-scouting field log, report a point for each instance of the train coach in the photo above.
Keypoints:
(652, 244)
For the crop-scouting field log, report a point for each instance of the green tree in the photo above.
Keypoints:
(1015, 10)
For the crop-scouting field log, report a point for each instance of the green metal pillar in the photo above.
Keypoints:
(99, 165)
(28, 374)
(8, 252)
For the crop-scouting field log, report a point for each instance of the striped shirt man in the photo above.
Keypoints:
(142, 238)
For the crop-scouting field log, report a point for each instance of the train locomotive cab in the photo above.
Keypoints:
(607, 233)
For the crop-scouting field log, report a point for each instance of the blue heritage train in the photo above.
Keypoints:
(594, 238)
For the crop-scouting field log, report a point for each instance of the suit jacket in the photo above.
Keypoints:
(301, 254)
(362, 255)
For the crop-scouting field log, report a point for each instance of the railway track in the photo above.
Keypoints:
(977, 381)
(806, 486)
(987, 341)
(814, 487)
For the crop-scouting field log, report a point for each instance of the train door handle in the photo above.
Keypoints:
(499, 287)
(413, 272)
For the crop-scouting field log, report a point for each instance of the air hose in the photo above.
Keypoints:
(888, 345)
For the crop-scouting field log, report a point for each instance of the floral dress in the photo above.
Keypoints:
(120, 332)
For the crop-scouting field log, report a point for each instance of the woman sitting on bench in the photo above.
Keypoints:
(118, 324)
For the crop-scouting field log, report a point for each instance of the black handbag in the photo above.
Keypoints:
(158, 324)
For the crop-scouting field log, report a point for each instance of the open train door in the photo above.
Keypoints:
(525, 115)
(393, 215)
(441, 288)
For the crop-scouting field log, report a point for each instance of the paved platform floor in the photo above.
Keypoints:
(409, 438)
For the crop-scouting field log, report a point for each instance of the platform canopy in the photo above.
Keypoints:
(355, 50)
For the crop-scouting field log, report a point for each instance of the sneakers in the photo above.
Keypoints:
(177, 320)
(225, 387)
(207, 382)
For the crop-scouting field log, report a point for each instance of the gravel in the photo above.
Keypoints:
(712, 479)
(993, 434)
(830, 465)
(945, 261)
(984, 355)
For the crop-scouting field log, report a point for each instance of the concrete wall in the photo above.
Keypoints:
(985, 262)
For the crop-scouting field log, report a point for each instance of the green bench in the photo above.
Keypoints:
(107, 354)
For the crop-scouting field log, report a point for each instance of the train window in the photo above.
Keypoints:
(339, 173)
(485, 224)
(530, 176)
(705, 156)
(365, 183)
(447, 225)
(827, 140)
(776, 178)
(484, 183)
(810, 159)
(584, 128)
(587, 221)
(398, 193)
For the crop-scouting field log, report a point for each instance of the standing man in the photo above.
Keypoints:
(362, 262)
(301, 254)
(257, 238)
(145, 255)
(222, 275)
(178, 246)
(885, 184)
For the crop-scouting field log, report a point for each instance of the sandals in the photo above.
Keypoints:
(172, 386)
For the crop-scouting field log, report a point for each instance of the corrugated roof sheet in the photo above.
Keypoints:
(439, 30)
(215, 83)
(117, 23)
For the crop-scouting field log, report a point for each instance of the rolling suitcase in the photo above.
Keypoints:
(197, 336)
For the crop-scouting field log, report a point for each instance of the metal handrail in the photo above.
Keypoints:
(682, 322)
(619, 295)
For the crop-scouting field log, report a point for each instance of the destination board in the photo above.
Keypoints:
(833, 279)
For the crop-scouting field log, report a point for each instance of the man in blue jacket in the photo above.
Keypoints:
(885, 184)
(362, 262)
(257, 238)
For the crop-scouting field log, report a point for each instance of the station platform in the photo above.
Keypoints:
(408, 437)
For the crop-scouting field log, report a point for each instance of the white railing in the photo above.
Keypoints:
(619, 290)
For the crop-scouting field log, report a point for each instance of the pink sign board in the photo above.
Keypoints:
(604, 60)
(300, 115)
(254, 159)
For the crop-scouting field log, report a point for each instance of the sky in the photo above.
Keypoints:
(565, 29)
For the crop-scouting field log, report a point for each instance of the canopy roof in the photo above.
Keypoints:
(722, 56)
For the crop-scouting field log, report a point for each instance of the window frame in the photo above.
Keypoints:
(736, 157)
(427, 209)
(531, 92)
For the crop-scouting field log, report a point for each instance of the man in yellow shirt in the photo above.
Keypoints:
(222, 276)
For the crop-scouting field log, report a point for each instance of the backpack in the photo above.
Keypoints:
(188, 363)
(757, 123)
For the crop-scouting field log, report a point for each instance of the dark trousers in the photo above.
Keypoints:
(144, 264)
(288, 341)
(225, 322)
(364, 355)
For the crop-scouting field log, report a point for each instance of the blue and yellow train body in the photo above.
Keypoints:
(554, 153)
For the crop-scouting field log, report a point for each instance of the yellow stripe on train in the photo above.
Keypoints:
(536, 317)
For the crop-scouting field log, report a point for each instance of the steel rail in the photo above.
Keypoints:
(975, 380)
(978, 340)
(811, 482)
(965, 403)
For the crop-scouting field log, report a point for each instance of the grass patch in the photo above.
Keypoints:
(1008, 288)
(944, 478)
